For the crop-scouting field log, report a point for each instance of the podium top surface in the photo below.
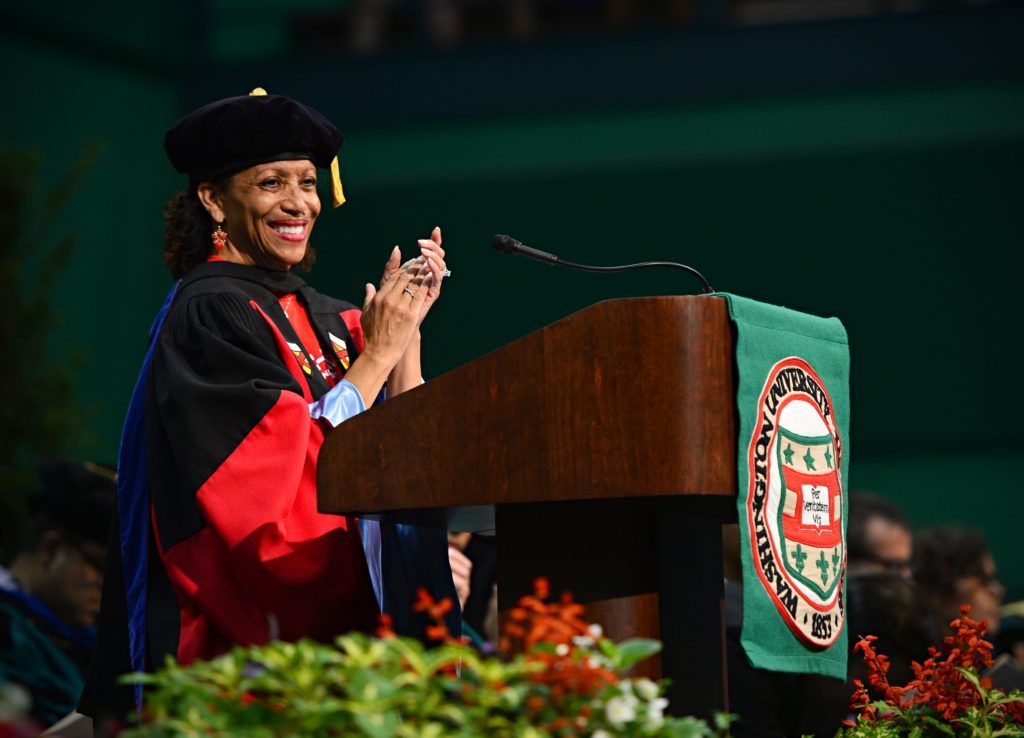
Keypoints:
(625, 398)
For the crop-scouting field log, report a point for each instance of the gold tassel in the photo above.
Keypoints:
(336, 191)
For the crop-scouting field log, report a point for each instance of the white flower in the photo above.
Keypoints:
(561, 649)
(621, 710)
(654, 721)
(595, 631)
(601, 734)
(655, 713)
(583, 641)
(646, 689)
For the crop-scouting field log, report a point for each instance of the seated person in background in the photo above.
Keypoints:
(887, 605)
(881, 600)
(878, 536)
(50, 595)
(1007, 672)
(953, 566)
(480, 606)
(776, 705)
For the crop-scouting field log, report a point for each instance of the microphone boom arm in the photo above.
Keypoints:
(509, 245)
(640, 265)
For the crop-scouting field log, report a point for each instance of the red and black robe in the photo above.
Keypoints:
(238, 553)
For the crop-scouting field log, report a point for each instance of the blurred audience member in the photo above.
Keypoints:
(462, 567)
(480, 612)
(50, 594)
(887, 605)
(881, 600)
(473, 559)
(878, 536)
(953, 566)
(775, 705)
(1007, 672)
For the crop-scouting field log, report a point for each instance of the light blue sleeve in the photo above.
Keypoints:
(338, 405)
(342, 402)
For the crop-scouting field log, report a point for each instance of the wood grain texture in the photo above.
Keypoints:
(627, 398)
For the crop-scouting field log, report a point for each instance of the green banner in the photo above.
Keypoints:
(793, 463)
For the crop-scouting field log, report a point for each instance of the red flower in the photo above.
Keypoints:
(535, 703)
(435, 611)
(568, 671)
(1014, 712)
(437, 633)
(939, 684)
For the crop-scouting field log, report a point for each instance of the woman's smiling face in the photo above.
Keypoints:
(268, 213)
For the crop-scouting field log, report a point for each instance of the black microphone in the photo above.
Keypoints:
(508, 245)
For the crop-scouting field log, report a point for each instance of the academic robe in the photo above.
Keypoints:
(217, 540)
(40, 652)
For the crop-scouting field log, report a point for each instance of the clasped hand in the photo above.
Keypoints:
(394, 311)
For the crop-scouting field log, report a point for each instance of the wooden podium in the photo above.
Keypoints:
(601, 448)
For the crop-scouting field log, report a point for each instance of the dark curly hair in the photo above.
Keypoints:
(74, 499)
(187, 242)
(945, 554)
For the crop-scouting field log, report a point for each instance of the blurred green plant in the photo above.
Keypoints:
(570, 681)
(38, 412)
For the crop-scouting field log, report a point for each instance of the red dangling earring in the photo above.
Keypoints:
(220, 238)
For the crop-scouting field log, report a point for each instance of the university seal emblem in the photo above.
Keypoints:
(795, 502)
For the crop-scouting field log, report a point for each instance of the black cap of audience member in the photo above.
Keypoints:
(62, 556)
(76, 499)
(954, 566)
(877, 535)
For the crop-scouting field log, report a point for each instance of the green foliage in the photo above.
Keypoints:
(37, 405)
(397, 688)
(947, 696)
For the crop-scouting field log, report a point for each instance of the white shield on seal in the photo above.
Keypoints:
(810, 523)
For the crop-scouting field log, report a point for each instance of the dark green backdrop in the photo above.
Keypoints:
(891, 200)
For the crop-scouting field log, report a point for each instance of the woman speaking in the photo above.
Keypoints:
(218, 538)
